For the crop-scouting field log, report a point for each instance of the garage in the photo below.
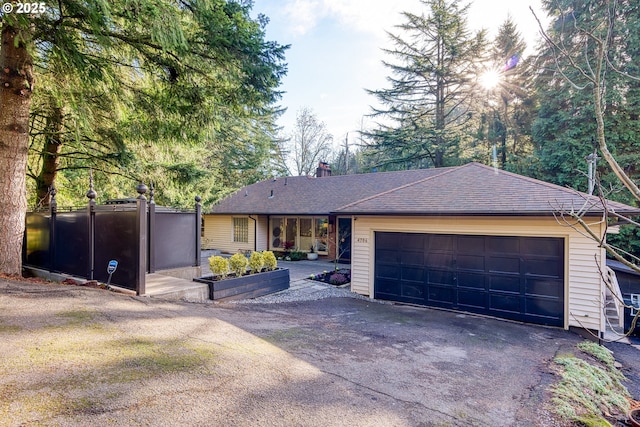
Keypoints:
(512, 277)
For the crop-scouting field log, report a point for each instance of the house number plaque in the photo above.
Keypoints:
(362, 240)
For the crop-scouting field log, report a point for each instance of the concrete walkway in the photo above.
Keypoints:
(174, 289)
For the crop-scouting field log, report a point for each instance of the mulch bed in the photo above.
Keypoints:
(337, 277)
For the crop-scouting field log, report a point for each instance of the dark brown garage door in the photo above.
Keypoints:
(513, 277)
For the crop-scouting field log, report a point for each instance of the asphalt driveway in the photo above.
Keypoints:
(78, 356)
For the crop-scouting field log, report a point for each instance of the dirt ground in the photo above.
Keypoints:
(78, 356)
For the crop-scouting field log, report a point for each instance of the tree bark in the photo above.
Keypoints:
(50, 156)
(16, 85)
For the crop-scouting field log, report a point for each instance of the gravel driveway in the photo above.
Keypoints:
(77, 356)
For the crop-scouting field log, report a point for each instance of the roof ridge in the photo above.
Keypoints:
(445, 170)
(532, 180)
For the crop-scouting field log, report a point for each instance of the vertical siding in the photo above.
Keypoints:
(218, 234)
(583, 284)
(263, 233)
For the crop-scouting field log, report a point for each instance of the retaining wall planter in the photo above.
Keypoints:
(249, 286)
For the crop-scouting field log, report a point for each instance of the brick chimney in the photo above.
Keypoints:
(323, 170)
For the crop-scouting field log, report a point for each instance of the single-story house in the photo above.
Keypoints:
(469, 238)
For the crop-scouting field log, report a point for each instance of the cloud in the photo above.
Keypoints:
(370, 16)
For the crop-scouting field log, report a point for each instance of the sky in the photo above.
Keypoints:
(336, 51)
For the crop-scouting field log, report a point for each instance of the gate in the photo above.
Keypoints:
(141, 236)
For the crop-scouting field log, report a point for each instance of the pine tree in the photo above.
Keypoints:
(564, 131)
(506, 104)
(178, 71)
(425, 112)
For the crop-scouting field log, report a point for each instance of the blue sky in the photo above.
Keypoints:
(336, 54)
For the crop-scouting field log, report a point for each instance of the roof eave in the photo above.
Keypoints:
(457, 213)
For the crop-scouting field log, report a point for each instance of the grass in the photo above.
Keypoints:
(590, 388)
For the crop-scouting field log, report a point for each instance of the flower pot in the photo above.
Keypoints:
(312, 256)
(248, 286)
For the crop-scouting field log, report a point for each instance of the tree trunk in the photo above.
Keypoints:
(50, 156)
(16, 85)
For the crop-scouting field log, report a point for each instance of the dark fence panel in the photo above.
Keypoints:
(81, 243)
(116, 239)
(71, 243)
(174, 242)
(37, 240)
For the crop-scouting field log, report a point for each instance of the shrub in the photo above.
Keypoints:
(238, 264)
(296, 255)
(338, 279)
(219, 266)
(270, 261)
(256, 262)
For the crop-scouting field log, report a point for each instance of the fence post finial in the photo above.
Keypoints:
(198, 230)
(91, 194)
(53, 203)
(142, 189)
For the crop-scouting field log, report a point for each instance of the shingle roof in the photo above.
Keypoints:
(472, 189)
(302, 195)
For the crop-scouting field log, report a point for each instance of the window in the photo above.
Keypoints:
(241, 230)
(299, 233)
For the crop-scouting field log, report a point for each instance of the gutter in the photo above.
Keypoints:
(255, 233)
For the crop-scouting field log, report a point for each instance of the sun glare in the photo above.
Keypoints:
(490, 79)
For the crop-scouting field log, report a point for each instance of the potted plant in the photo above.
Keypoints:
(231, 279)
(312, 254)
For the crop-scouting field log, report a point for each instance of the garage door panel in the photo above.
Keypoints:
(471, 262)
(543, 307)
(413, 290)
(504, 264)
(441, 260)
(514, 277)
(384, 271)
(471, 244)
(443, 296)
(412, 258)
(387, 256)
(505, 283)
(543, 267)
(389, 240)
(437, 277)
(504, 245)
(471, 299)
(440, 242)
(471, 280)
(413, 241)
(546, 287)
(413, 274)
(507, 303)
(540, 246)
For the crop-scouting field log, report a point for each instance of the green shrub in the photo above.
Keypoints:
(270, 261)
(296, 255)
(256, 262)
(238, 264)
(219, 266)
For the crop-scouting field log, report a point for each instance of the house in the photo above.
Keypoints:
(469, 238)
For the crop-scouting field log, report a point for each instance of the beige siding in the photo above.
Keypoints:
(262, 243)
(218, 234)
(582, 295)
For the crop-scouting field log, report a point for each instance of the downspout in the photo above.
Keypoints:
(255, 233)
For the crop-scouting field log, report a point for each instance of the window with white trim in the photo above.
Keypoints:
(241, 230)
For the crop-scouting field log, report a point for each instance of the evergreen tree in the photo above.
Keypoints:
(588, 94)
(169, 72)
(505, 101)
(427, 108)
(565, 129)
